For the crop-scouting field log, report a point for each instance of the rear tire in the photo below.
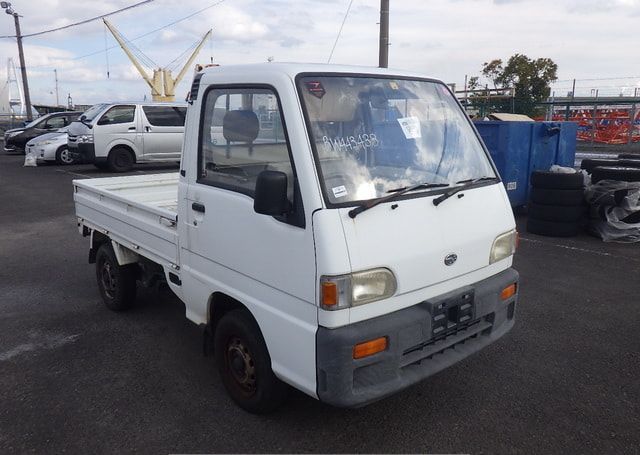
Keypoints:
(244, 364)
(117, 284)
(120, 160)
(63, 156)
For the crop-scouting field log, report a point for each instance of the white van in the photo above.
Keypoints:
(114, 136)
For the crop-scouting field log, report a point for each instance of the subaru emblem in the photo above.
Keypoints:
(450, 259)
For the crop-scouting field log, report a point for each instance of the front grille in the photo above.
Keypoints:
(458, 335)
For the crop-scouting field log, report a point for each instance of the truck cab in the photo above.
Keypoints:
(341, 230)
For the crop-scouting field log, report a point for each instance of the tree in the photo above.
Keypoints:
(530, 78)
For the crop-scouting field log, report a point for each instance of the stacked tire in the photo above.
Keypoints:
(556, 208)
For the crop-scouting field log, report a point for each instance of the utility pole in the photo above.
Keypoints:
(23, 69)
(383, 59)
(55, 72)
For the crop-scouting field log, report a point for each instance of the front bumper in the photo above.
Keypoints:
(416, 347)
(84, 152)
(8, 147)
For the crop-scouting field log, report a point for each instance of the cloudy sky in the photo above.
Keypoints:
(589, 39)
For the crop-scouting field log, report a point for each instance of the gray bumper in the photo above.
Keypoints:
(417, 345)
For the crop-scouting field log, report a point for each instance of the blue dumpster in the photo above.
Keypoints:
(519, 148)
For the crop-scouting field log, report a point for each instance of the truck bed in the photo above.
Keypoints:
(139, 212)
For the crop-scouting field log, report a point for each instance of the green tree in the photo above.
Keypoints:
(531, 79)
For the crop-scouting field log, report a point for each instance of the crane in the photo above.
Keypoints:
(161, 82)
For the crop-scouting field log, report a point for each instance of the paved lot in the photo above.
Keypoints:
(77, 378)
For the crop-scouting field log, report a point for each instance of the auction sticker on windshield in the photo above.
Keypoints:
(410, 127)
(339, 191)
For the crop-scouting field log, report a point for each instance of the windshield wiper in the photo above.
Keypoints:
(465, 184)
(397, 192)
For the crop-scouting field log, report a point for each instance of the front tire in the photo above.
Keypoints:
(63, 156)
(244, 364)
(120, 160)
(116, 283)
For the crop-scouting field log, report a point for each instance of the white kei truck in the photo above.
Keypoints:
(337, 229)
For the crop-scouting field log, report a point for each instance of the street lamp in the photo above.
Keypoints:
(6, 6)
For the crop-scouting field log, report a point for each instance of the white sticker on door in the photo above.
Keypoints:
(339, 191)
(410, 127)
(512, 186)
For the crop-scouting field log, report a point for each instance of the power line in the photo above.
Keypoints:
(82, 22)
(340, 31)
(140, 36)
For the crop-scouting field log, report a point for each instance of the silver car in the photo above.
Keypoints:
(51, 147)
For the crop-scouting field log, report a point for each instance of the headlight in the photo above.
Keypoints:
(40, 144)
(86, 138)
(503, 246)
(344, 291)
(14, 134)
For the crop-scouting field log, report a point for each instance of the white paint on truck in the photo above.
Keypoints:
(313, 210)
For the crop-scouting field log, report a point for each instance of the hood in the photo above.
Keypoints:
(46, 136)
(15, 130)
(77, 128)
(413, 239)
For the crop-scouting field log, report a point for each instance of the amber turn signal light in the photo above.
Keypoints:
(509, 291)
(370, 347)
(329, 294)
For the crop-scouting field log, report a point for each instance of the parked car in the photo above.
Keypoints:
(16, 139)
(353, 242)
(114, 136)
(51, 147)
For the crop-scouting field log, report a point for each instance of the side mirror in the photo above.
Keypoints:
(271, 194)
(83, 118)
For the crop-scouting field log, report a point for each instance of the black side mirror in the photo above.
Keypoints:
(271, 194)
(82, 118)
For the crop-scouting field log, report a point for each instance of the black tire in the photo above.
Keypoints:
(244, 364)
(629, 156)
(120, 160)
(623, 174)
(64, 157)
(557, 197)
(565, 214)
(557, 180)
(589, 163)
(552, 228)
(117, 284)
(634, 218)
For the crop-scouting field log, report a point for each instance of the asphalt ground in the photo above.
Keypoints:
(77, 378)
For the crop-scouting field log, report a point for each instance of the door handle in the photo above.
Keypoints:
(198, 207)
(132, 128)
(147, 128)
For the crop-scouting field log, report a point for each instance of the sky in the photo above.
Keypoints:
(591, 40)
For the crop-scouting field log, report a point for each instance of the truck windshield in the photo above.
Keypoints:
(376, 135)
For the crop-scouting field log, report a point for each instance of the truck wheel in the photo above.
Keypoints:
(117, 284)
(64, 157)
(120, 160)
(244, 364)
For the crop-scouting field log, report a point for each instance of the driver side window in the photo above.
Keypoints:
(118, 114)
(243, 134)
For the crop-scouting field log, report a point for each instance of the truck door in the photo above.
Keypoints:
(162, 132)
(265, 262)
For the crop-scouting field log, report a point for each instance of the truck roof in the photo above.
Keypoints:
(293, 69)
